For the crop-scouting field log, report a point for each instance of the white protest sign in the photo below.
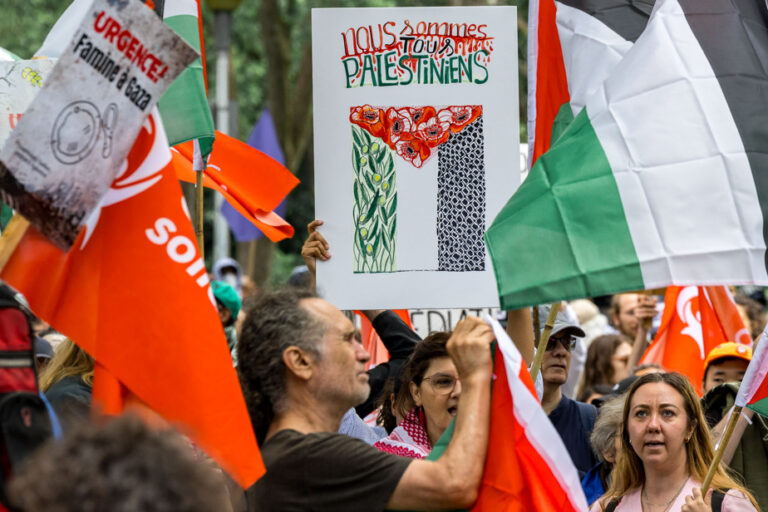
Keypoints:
(73, 139)
(426, 321)
(20, 81)
(416, 151)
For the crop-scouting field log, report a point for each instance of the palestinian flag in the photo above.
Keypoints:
(527, 467)
(184, 106)
(753, 392)
(662, 177)
(573, 46)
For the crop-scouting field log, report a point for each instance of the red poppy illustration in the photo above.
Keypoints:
(460, 117)
(433, 131)
(414, 151)
(420, 114)
(370, 118)
(413, 131)
(399, 125)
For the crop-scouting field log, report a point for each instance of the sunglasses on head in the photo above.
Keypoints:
(568, 342)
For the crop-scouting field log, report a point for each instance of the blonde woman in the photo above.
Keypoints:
(67, 382)
(665, 453)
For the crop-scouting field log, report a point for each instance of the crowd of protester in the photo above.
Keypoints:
(337, 435)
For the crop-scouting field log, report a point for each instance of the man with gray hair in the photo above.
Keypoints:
(301, 368)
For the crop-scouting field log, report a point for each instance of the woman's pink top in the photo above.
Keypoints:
(734, 501)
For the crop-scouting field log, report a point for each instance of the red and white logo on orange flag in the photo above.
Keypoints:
(527, 467)
(695, 320)
(133, 292)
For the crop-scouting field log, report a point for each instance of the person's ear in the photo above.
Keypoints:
(298, 362)
(415, 393)
(691, 430)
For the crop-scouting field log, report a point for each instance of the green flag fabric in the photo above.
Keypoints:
(661, 178)
(184, 106)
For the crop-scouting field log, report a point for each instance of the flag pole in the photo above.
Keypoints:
(735, 414)
(11, 237)
(198, 165)
(553, 309)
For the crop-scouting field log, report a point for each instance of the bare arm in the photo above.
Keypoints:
(314, 248)
(453, 480)
(646, 310)
(520, 329)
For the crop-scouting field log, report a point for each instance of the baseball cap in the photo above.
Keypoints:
(227, 295)
(43, 348)
(728, 349)
(561, 323)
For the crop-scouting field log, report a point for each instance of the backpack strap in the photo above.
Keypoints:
(717, 500)
(612, 505)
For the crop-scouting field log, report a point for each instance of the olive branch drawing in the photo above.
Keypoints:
(375, 207)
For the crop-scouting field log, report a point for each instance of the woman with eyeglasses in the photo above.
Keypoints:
(607, 363)
(427, 400)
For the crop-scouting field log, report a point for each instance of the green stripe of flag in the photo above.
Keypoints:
(543, 243)
(184, 107)
(760, 407)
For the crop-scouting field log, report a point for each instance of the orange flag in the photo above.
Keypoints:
(695, 320)
(252, 182)
(133, 292)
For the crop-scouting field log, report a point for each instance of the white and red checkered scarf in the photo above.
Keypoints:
(409, 438)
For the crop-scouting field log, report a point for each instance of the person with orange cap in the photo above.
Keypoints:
(747, 453)
(727, 362)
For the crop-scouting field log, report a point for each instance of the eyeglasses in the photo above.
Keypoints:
(568, 342)
(442, 383)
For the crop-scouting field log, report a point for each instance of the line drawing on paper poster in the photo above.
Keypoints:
(77, 130)
(417, 134)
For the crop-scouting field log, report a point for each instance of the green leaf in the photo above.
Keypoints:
(367, 177)
(393, 206)
(356, 136)
(357, 194)
(356, 159)
(361, 243)
(375, 245)
(392, 228)
(372, 205)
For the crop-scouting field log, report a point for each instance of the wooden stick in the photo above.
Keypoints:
(542, 346)
(735, 414)
(199, 213)
(12, 235)
(536, 326)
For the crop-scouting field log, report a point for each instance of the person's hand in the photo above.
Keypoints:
(469, 347)
(315, 247)
(695, 502)
(645, 311)
(646, 307)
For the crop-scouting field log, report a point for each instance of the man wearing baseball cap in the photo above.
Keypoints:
(573, 420)
(727, 362)
(724, 369)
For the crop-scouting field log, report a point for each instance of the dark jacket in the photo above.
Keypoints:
(750, 460)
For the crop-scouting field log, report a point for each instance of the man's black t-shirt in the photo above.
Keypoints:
(574, 422)
(324, 471)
